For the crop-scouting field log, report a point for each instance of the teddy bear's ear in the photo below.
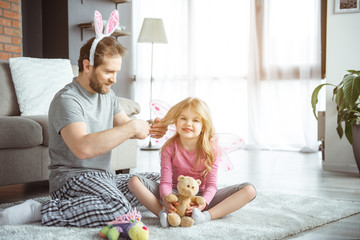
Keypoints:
(198, 181)
(180, 177)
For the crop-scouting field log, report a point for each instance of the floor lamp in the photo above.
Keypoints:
(152, 31)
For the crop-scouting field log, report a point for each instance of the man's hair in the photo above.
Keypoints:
(108, 46)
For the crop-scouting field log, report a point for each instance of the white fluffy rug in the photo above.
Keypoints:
(269, 216)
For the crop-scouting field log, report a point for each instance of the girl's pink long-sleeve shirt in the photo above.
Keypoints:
(176, 161)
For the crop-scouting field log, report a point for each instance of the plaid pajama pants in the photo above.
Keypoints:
(91, 200)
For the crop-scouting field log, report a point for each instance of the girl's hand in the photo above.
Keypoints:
(194, 205)
(169, 207)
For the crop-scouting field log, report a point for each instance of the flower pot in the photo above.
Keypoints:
(356, 144)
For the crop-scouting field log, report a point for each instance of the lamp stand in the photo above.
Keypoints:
(149, 147)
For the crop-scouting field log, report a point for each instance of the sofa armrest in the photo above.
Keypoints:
(129, 106)
(19, 132)
(43, 120)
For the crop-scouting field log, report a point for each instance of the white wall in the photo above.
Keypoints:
(343, 53)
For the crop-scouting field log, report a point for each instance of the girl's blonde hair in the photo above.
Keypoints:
(205, 145)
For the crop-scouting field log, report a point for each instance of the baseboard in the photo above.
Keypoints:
(351, 168)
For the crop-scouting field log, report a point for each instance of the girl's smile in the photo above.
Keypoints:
(187, 129)
(189, 124)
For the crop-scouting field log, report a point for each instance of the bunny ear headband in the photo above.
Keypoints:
(109, 29)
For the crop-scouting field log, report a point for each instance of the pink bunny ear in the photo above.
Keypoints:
(98, 24)
(112, 23)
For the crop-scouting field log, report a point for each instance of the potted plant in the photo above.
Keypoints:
(346, 96)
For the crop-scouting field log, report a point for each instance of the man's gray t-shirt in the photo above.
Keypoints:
(75, 104)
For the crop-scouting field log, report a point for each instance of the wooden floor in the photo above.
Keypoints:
(281, 171)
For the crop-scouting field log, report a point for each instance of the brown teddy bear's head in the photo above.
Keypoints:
(188, 186)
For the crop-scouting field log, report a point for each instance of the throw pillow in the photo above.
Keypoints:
(37, 80)
(129, 106)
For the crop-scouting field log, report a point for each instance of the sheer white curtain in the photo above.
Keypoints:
(284, 68)
(213, 53)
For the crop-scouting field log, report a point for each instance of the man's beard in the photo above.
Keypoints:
(95, 84)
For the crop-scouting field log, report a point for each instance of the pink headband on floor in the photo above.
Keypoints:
(109, 29)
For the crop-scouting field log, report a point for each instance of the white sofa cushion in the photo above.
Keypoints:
(37, 80)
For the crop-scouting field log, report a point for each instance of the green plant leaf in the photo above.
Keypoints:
(348, 132)
(338, 88)
(314, 97)
(354, 72)
(351, 90)
(339, 99)
(347, 98)
(351, 116)
(339, 128)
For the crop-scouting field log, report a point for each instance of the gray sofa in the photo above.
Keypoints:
(24, 141)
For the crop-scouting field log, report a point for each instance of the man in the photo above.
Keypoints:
(85, 123)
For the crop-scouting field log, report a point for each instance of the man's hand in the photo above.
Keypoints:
(157, 130)
(141, 128)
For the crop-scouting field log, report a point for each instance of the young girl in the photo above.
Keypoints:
(191, 152)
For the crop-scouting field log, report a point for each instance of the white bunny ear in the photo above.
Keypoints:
(112, 23)
(98, 24)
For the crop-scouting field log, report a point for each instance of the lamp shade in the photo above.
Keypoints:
(152, 31)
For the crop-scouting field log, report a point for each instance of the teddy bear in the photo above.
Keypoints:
(187, 187)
